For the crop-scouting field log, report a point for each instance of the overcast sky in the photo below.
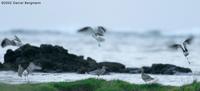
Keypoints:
(116, 14)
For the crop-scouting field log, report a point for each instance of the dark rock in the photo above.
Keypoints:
(54, 59)
(133, 70)
(10, 56)
(92, 65)
(113, 66)
(165, 69)
(4, 67)
(146, 69)
(50, 58)
(1, 66)
(57, 59)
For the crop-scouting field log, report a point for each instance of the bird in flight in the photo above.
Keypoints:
(183, 47)
(97, 33)
(14, 42)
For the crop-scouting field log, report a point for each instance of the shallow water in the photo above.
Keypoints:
(11, 77)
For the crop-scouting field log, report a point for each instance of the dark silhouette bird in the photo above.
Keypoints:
(184, 47)
(14, 42)
(25, 72)
(97, 33)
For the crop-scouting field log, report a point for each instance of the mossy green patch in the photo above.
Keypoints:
(96, 85)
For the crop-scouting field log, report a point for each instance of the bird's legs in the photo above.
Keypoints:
(188, 60)
(28, 79)
(189, 66)
(97, 76)
(95, 37)
(25, 79)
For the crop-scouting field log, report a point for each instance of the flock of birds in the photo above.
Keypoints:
(98, 34)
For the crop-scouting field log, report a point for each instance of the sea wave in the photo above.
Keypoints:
(30, 32)
(147, 33)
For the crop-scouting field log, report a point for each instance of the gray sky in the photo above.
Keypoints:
(116, 14)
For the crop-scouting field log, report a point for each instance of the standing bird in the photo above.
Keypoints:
(184, 47)
(28, 70)
(97, 33)
(99, 72)
(146, 77)
(14, 42)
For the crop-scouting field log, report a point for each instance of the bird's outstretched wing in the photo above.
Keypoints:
(33, 67)
(188, 40)
(5, 42)
(17, 39)
(175, 46)
(20, 70)
(95, 72)
(85, 29)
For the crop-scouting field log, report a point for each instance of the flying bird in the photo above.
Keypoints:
(184, 47)
(14, 42)
(28, 70)
(97, 33)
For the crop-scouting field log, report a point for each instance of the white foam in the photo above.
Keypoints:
(174, 80)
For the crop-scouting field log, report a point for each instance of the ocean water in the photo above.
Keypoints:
(11, 77)
(133, 49)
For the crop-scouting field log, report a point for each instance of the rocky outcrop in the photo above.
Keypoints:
(57, 59)
(1, 66)
(50, 58)
(133, 70)
(53, 59)
(113, 66)
(168, 69)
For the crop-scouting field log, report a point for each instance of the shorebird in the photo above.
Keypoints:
(184, 47)
(28, 70)
(9, 42)
(97, 33)
(99, 72)
(146, 77)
